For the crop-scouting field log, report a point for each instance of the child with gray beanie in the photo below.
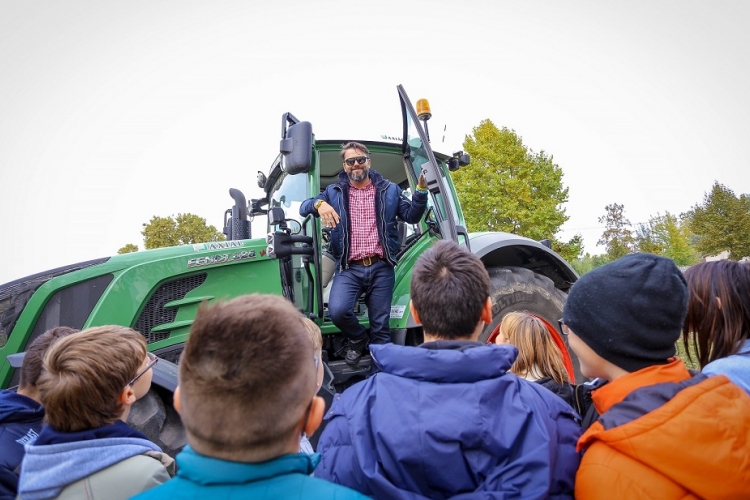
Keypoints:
(663, 432)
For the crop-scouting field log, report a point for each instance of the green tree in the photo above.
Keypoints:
(571, 250)
(667, 235)
(617, 236)
(722, 222)
(584, 264)
(129, 248)
(184, 229)
(507, 187)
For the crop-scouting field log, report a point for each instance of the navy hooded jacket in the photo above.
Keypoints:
(20, 422)
(447, 420)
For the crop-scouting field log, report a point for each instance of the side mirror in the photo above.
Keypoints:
(296, 148)
(262, 180)
(458, 160)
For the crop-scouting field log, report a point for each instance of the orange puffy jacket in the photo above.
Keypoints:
(666, 434)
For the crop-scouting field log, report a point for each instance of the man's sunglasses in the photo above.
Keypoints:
(359, 159)
(152, 360)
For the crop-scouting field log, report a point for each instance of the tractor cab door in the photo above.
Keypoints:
(419, 156)
(292, 239)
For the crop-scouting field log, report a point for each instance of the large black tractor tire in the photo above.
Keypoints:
(519, 289)
(154, 416)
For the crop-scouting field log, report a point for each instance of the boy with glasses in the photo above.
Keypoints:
(243, 410)
(89, 383)
(663, 432)
(361, 209)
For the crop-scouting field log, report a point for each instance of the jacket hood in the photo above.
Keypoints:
(15, 407)
(48, 468)
(697, 437)
(485, 361)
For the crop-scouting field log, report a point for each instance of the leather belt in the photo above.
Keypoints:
(367, 261)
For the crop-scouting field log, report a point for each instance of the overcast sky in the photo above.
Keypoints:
(113, 112)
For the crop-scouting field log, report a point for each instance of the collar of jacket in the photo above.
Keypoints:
(459, 345)
(482, 362)
(203, 469)
(16, 407)
(615, 391)
(118, 429)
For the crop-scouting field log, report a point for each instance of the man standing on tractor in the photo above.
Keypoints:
(361, 211)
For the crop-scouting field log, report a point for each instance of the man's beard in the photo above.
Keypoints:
(358, 177)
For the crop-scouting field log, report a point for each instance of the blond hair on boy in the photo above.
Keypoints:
(316, 336)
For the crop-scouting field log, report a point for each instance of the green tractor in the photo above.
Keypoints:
(157, 292)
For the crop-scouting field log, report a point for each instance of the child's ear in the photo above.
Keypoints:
(487, 311)
(414, 313)
(317, 410)
(176, 402)
(127, 396)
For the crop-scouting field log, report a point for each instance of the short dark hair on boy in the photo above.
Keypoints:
(85, 373)
(33, 360)
(449, 288)
(247, 376)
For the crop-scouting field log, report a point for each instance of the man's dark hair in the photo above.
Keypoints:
(34, 357)
(354, 145)
(449, 288)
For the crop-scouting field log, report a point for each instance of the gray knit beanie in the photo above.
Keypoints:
(630, 311)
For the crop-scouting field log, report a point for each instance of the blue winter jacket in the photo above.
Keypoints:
(736, 367)
(447, 420)
(288, 476)
(20, 422)
(389, 204)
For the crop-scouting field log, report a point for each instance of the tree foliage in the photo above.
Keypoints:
(584, 264)
(507, 187)
(571, 250)
(722, 222)
(617, 236)
(667, 235)
(129, 248)
(184, 229)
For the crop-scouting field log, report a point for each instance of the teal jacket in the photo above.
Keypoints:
(288, 476)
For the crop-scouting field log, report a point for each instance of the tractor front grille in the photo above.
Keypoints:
(155, 314)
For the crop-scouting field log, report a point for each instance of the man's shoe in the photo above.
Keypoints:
(354, 351)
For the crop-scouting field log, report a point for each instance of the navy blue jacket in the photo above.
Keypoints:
(447, 420)
(389, 204)
(20, 422)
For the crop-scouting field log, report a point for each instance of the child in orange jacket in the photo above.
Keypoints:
(663, 432)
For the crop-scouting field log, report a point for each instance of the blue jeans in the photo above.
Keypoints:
(376, 281)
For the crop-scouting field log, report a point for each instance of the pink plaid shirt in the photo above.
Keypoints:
(364, 242)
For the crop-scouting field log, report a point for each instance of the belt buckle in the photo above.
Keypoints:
(367, 261)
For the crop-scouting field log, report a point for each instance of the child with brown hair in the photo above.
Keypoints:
(244, 409)
(717, 326)
(89, 382)
(539, 359)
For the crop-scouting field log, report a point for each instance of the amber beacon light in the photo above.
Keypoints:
(423, 110)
